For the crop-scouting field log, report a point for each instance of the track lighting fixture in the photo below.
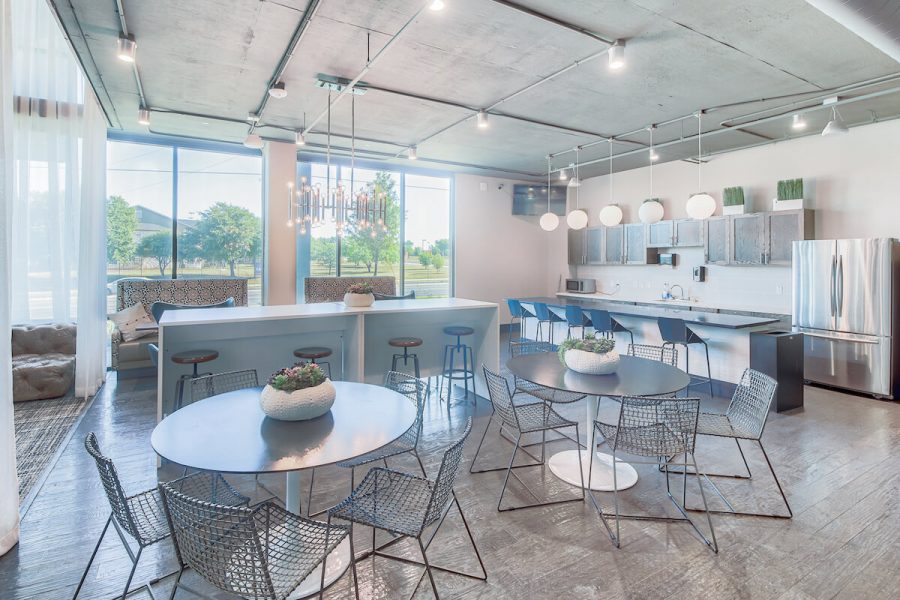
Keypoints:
(253, 141)
(836, 125)
(126, 48)
(563, 174)
(252, 117)
(411, 153)
(482, 119)
(278, 90)
(143, 116)
(617, 55)
(299, 138)
(798, 123)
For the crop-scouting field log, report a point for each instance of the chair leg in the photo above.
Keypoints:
(415, 358)
(325, 558)
(93, 555)
(177, 581)
(712, 532)
(775, 477)
(471, 539)
(353, 564)
(708, 371)
(428, 570)
(134, 565)
(509, 470)
(419, 460)
(312, 481)
(618, 541)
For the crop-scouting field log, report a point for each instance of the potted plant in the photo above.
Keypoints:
(359, 294)
(733, 201)
(591, 356)
(790, 195)
(297, 393)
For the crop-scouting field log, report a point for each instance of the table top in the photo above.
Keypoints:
(692, 317)
(229, 433)
(634, 376)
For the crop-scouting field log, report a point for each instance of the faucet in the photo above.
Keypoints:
(672, 296)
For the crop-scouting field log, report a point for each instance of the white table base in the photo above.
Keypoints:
(565, 464)
(339, 559)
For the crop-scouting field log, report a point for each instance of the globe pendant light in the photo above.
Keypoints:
(611, 214)
(651, 211)
(701, 205)
(578, 218)
(549, 220)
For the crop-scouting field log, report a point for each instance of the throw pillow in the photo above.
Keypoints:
(127, 321)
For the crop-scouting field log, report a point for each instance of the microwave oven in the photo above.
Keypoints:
(581, 286)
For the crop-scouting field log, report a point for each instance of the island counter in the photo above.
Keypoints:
(264, 338)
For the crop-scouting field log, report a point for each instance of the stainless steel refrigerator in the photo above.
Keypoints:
(844, 294)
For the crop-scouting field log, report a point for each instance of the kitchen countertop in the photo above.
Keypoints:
(710, 319)
(676, 304)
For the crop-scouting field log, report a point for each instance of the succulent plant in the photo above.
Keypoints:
(790, 189)
(733, 196)
(590, 343)
(298, 377)
(360, 288)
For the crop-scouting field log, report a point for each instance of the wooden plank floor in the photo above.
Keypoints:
(838, 459)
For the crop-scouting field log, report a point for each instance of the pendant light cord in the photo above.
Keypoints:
(699, 151)
(549, 167)
(651, 161)
(578, 179)
(610, 171)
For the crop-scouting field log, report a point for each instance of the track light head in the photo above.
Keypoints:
(299, 138)
(481, 119)
(411, 153)
(143, 116)
(617, 55)
(278, 90)
(798, 123)
(836, 125)
(252, 117)
(253, 141)
(126, 48)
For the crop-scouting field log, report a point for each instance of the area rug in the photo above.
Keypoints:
(41, 427)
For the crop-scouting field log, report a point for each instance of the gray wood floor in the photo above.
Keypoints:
(838, 459)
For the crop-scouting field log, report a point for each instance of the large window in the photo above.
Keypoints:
(413, 243)
(217, 197)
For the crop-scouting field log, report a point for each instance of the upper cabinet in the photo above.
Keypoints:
(576, 246)
(688, 233)
(758, 238)
(636, 250)
(747, 234)
(614, 245)
(661, 235)
(593, 246)
(716, 240)
(783, 228)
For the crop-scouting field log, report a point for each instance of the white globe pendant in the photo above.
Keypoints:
(549, 221)
(701, 206)
(611, 215)
(650, 211)
(577, 219)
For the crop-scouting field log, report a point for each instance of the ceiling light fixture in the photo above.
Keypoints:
(278, 90)
(126, 48)
(436, 5)
(299, 138)
(836, 125)
(549, 220)
(143, 116)
(563, 174)
(701, 205)
(482, 119)
(616, 55)
(253, 141)
(411, 153)
(252, 117)
(574, 182)
(611, 214)
(798, 123)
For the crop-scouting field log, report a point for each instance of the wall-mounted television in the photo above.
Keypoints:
(532, 199)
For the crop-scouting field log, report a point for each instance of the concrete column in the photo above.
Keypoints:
(280, 167)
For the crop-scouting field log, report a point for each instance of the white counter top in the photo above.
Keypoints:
(659, 302)
(211, 316)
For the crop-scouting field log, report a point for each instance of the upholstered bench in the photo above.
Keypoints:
(43, 361)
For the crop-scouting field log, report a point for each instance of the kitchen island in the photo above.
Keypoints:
(264, 338)
(728, 335)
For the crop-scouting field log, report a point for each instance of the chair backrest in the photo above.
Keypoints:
(158, 308)
(673, 330)
(443, 483)
(515, 308)
(750, 404)
(657, 426)
(153, 351)
(531, 347)
(574, 316)
(541, 311)
(410, 296)
(663, 354)
(221, 383)
(600, 319)
(221, 543)
(415, 390)
(501, 398)
(115, 493)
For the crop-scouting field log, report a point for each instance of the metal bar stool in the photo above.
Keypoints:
(194, 358)
(604, 323)
(406, 343)
(517, 313)
(313, 354)
(575, 317)
(449, 371)
(676, 331)
(543, 314)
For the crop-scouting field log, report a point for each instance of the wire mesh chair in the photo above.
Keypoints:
(537, 417)
(141, 516)
(745, 419)
(221, 383)
(523, 386)
(262, 552)
(653, 428)
(417, 391)
(407, 505)
(664, 354)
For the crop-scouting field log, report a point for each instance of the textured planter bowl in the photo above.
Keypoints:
(737, 209)
(788, 204)
(591, 363)
(299, 405)
(359, 299)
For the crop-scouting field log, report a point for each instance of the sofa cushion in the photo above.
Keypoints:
(40, 376)
(129, 319)
(43, 339)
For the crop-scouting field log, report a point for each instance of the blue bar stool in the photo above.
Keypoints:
(450, 372)
(676, 331)
(545, 315)
(608, 326)
(517, 312)
(575, 317)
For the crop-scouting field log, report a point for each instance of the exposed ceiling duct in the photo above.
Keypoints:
(875, 21)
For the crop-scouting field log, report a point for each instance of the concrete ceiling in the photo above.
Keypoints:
(205, 64)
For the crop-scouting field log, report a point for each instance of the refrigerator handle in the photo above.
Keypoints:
(833, 269)
(840, 286)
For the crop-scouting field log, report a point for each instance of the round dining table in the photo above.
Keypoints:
(633, 377)
(229, 433)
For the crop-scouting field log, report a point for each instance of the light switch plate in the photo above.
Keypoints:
(482, 186)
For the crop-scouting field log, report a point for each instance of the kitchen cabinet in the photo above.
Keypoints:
(783, 228)
(614, 245)
(716, 240)
(576, 247)
(748, 239)
(756, 239)
(593, 246)
(688, 233)
(661, 234)
(636, 250)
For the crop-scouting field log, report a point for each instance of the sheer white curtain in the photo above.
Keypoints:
(9, 486)
(59, 223)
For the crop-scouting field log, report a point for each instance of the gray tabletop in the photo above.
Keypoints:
(710, 319)
(634, 377)
(229, 433)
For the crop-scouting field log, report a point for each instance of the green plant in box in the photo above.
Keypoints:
(733, 196)
(590, 343)
(790, 189)
(298, 377)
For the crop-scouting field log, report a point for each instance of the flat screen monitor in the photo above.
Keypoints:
(532, 199)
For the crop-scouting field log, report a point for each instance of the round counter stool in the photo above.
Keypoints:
(191, 357)
(406, 343)
(449, 370)
(313, 354)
